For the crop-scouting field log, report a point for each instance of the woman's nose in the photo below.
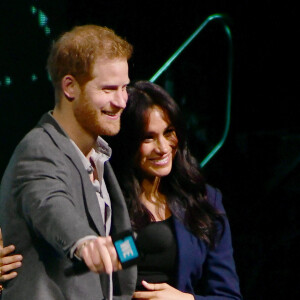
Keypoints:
(162, 145)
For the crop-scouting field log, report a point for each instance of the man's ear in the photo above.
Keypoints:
(69, 87)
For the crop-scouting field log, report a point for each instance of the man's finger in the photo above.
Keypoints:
(86, 255)
(100, 255)
(97, 257)
(101, 244)
(113, 254)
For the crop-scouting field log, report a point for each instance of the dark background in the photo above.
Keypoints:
(257, 169)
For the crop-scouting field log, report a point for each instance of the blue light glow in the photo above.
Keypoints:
(43, 19)
(34, 77)
(42, 22)
(7, 80)
(47, 30)
(33, 10)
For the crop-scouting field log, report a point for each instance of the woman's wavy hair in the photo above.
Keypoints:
(184, 187)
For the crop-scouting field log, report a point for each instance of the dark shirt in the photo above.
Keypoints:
(158, 251)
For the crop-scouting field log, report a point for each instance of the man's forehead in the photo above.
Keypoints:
(104, 60)
(115, 66)
(110, 73)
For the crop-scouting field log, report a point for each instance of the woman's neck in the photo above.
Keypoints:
(150, 187)
(154, 200)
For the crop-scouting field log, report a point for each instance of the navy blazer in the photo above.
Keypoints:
(207, 274)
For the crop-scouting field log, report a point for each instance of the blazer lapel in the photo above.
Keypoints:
(185, 259)
(124, 281)
(120, 216)
(61, 139)
(190, 255)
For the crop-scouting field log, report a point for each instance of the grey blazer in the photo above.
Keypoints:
(47, 203)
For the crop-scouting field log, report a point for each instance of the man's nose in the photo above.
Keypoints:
(120, 98)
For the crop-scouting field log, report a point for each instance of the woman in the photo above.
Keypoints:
(183, 234)
(182, 230)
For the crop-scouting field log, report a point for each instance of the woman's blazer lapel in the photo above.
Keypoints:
(191, 255)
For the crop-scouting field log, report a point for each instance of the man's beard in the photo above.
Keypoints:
(93, 122)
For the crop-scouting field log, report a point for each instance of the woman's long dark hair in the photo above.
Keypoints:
(184, 187)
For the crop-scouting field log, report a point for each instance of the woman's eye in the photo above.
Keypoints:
(169, 132)
(148, 139)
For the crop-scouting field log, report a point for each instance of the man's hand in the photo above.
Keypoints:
(8, 263)
(161, 291)
(100, 255)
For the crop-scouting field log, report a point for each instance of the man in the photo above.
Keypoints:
(59, 198)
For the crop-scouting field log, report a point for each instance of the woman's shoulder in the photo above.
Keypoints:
(214, 197)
